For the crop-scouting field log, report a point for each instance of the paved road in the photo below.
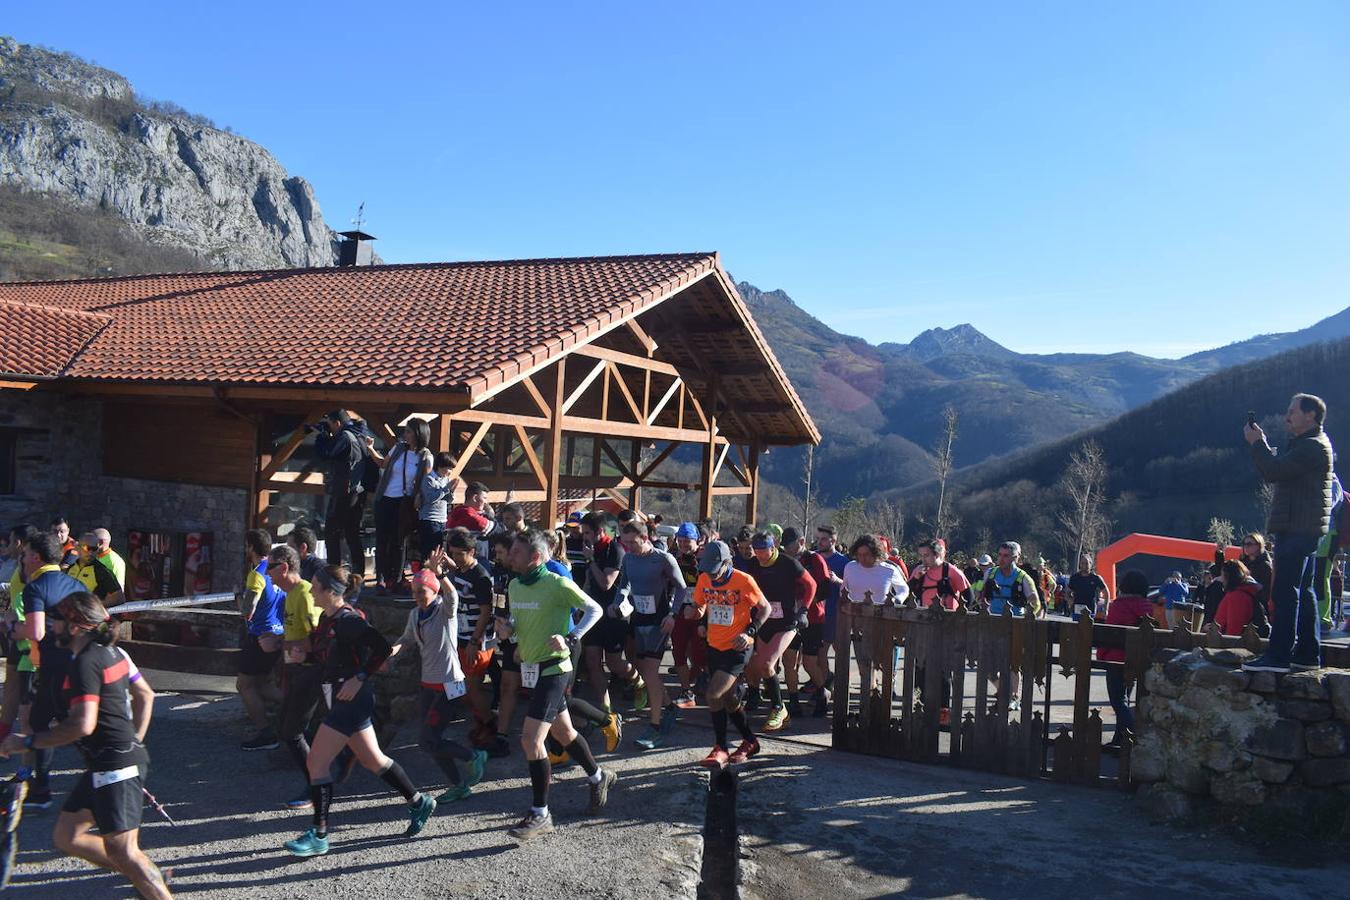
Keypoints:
(814, 823)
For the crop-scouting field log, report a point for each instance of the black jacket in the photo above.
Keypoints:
(1301, 474)
(345, 455)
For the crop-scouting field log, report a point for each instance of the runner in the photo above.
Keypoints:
(473, 586)
(1008, 587)
(434, 628)
(870, 579)
(805, 647)
(505, 669)
(735, 609)
(541, 624)
(935, 580)
(688, 645)
(20, 670)
(47, 586)
(789, 590)
(652, 579)
(260, 641)
(302, 677)
(835, 562)
(109, 706)
(350, 650)
(605, 642)
(1085, 587)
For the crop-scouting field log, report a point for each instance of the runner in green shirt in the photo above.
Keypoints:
(541, 623)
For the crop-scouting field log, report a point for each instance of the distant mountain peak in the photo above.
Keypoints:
(960, 339)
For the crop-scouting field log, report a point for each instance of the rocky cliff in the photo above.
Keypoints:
(80, 134)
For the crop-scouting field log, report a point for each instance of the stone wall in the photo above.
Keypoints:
(59, 470)
(1209, 732)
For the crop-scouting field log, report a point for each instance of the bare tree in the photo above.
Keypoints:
(1085, 486)
(888, 517)
(1265, 499)
(942, 465)
(810, 497)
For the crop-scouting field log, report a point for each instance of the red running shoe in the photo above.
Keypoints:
(717, 759)
(746, 750)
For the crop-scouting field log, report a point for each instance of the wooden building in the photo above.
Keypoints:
(552, 378)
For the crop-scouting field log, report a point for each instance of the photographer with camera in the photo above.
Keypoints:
(1299, 515)
(339, 442)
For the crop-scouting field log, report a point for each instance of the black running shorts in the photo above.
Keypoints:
(649, 642)
(347, 717)
(732, 662)
(549, 697)
(253, 660)
(609, 634)
(116, 807)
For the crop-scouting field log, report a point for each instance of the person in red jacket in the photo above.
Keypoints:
(1241, 593)
(1130, 607)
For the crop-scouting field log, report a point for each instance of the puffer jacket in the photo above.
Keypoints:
(1301, 474)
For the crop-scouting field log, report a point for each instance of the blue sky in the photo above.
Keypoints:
(1156, 177)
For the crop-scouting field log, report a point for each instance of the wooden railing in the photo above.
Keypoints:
(937, 645)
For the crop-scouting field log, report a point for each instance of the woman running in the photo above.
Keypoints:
(350, 650)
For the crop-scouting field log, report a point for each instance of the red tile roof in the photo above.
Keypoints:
(40, 342)
(409, 326)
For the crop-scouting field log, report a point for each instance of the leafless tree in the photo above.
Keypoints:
(1085, 486)
(1265, 499)
(942, 465)
(810, 497)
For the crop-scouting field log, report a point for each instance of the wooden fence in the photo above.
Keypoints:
(936, 645)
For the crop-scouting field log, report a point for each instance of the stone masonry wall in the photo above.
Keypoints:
(59, 470)
(1210, 732)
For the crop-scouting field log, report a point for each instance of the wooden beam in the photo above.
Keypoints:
(18, 385)
(553, 456)
(660, 458)
(467, 453)
(440, 434)
(580, 389)
(625, 359)
(731, 491)
(655, 413)
(698, 410)
(721, 459)
(752, 498)
(292, 478)
(646, 340)
(679, 418)
(634, 460)
(587, 482)
(497, 418)
(627, 394)
(577, 424)
(614, 457)
(287, 450)
(533, 391)
(670, 485)
(535, 465)
(617, 497)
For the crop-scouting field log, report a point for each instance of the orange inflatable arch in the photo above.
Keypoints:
(1154, 545)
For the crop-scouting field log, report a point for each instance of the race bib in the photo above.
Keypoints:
(529, 674)
(720, 614)
(775, 610)
(454, 689)
(645, 604)
(103, 779)
(328, 695)
(625, 608)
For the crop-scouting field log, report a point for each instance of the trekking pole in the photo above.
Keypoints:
(159, 807)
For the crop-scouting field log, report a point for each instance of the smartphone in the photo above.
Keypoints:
(1251, 417)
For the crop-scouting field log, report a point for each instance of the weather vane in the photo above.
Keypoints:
(360, 216)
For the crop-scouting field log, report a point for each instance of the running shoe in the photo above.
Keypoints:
(651, 738)
(778, 719)
(1304, 667)
(561, 758)
(263, 740)
(716, 758)
(640, 696)
(746, 750)
(668, 718)
(600, 789)
(308, 844)
(300, 801)
(686, 700)
(613, 732)
(418, 813)
(38, 798)
(457, 792)
(476, 767)
(1265, 664)
(531, 827)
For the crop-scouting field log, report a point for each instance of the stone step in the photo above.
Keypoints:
(173, 658)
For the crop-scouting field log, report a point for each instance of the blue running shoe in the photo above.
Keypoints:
(308, 844)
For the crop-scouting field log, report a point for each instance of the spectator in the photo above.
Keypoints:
(892, 555)
(340, 443)
(437, 487)
(1256, 557)
(97, 578)
(1130, 607)
(1326, 549)
(303, 539)
(396, 503)
(105, 554)
(1211, 591)
(1299, 515)
(69, 551)
(1241, 599)
(1171, 592)
(511, 519)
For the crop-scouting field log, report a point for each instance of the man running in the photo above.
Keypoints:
(109, 706)
(605, 642)
(652, 579)
(1007, 587)
(1085, 589)
(473, 586)
(689, 647)
(790, 591)
(805, 647)
(735, 609)
(433, 628)
(541, 624)
(302, 685)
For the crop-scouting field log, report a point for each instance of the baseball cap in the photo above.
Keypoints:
(984, 560)
(715, 557)
(687, 530)
(775, 530)
(665, 530)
